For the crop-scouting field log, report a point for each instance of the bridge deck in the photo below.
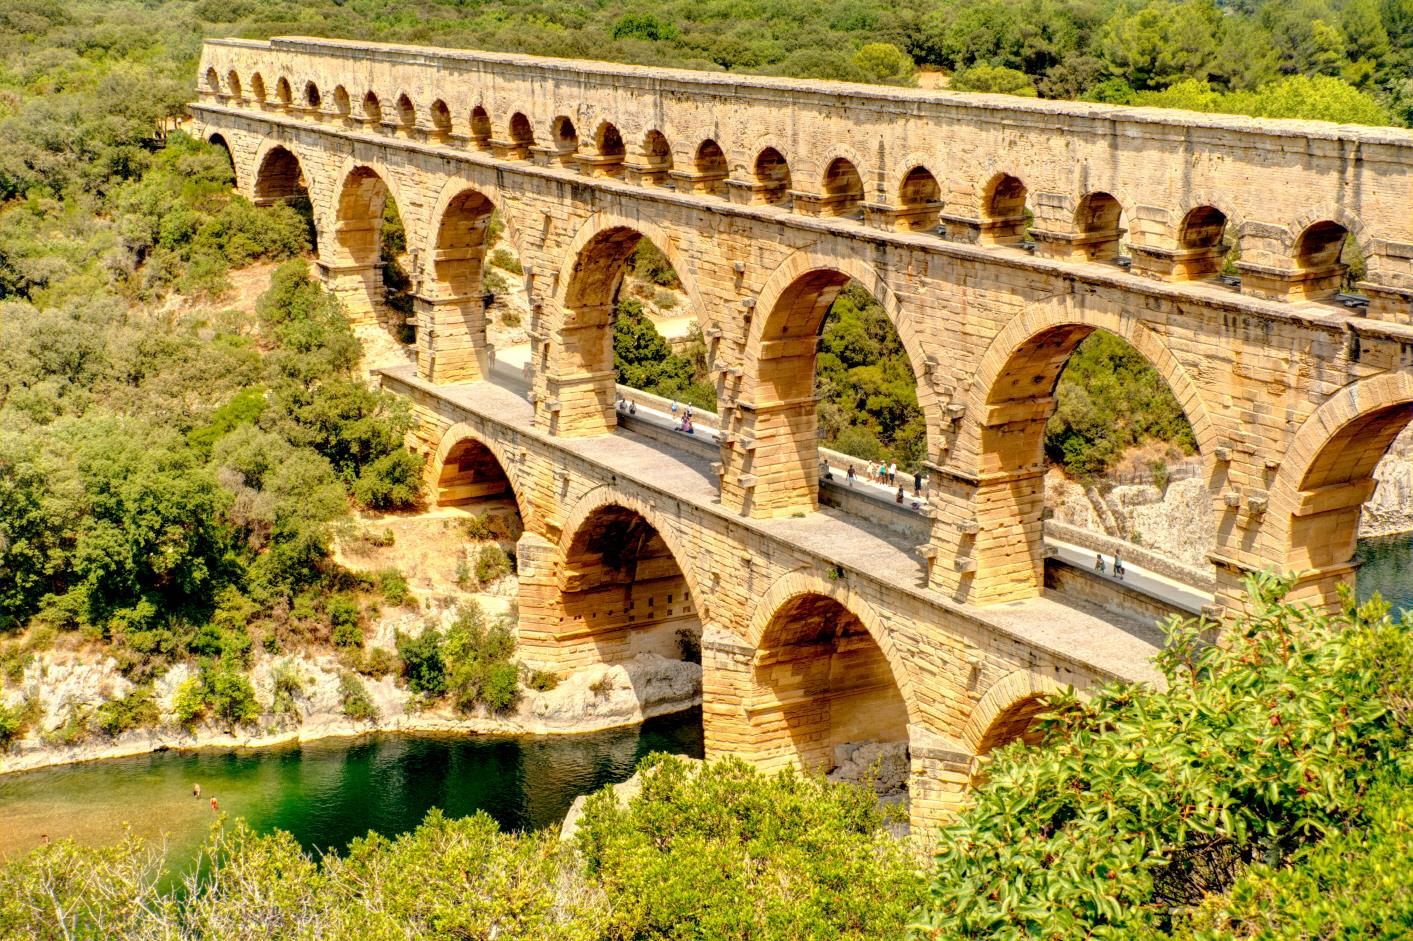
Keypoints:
(1109, 642)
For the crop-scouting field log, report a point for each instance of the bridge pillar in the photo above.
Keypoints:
(540, 613)
(989, 536)
(451, 338)
(359, 287)
(726, 686)
(770, 458)
(939, 779)
(580, 385)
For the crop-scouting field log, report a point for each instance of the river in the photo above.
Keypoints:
(1388, 569)
(327, 792)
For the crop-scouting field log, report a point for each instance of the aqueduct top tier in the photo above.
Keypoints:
(996, 232)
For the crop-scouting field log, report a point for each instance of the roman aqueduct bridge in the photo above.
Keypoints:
(996, 232)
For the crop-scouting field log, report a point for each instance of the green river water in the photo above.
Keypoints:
(327, 792)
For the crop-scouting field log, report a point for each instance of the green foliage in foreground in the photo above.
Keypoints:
(470, 662)
(1140, 805)
(723, 855)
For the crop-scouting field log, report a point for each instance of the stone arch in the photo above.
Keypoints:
(1097, 231)
(919, 198)
(626, 586)
(213, 81)
(1315, 215)
(521, 131)
(1011, 399)
(825, 673)
(1003, 210)
(441, 119)
(406, 112)
(283, 95)
(279, 175)
(771, 174)
(1202, 235)
(480, 127)
(779, 373)
(452, 303)
(372, 109)
(233, 83)
(312, 98)
(343, 107)
(354, 261)
(257, 87)
(586, 293)
(1007, 700)
(709, 168)
(441, 465)
(609, 150)
(653, 163)
(564, 139)
(841, 188)
(1327, 475)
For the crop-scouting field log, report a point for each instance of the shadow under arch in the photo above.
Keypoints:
(826, 672)
(1326, 478)
(576, 374)
(779, 370)
(1012, 398)
(445, 465)
(355, 262)
(626, 584)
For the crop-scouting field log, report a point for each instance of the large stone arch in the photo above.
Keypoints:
(1324, 479)
(995, 531)
(576, 391)
(351, 254)
(450, 304)
(261, 165)
(778, 379)
(824, 674)
(999, 705)
(619, 584)
(803, 582)
(466, 431)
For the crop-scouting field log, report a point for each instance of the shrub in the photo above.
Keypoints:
(1156, 801)
(492, 563)
(345, 619)
(393, 585)
(729, 852)
(542, 680)
(138, 709)
(689, 645)
(287, 683)
(422, 663)
(217, 691)
(392, 482)
(502, 258)
(378, 661)
(354, 699)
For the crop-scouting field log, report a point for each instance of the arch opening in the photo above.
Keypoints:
(213, 81)
(373, 281)
(919, 201)
(1098, 228)
(623, 590)
(280, 179)
(564, 140)
(219, 140)
(406, 113)
(233, 83)
(475, 290)
(831, 685)
(372, 110)
(480, 127)
(842, 189)
(343, 107)
(441, 120)
(1203, 243)
(1005, 218)
(1328, 260)
(312, 98)
(522, 136)
(610, 152)
(257, 87)
(709, 169)
(772, 174)
(833, 373)
(657, 155)
(283, 94)
(1076, 413)
(1340, 489)
(627, 304)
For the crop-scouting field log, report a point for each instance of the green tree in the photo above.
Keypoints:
(1160, 42)
(995, 79)
(885, 63)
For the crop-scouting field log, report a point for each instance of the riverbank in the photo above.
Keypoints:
(595, 699)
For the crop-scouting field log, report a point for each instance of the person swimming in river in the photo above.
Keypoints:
(214, 806)
(196, 791)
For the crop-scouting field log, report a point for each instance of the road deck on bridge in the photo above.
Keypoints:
(1111, 642)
